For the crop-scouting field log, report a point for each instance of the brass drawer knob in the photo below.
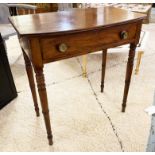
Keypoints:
(124, 35)
(62, 47)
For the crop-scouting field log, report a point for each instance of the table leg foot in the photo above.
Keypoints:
(50, 140)
(123, 109)
(128, 74)
(102, 88)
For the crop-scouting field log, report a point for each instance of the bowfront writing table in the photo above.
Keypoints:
(56, 36)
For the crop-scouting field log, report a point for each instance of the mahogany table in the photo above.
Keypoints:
(56, 36)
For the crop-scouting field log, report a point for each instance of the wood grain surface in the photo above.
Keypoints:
(72, 20)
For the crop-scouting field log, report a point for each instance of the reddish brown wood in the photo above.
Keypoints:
(82, 31)
(29, 71)
(128, 74)
(80, 43)
(104, 58)
(44, 102)
(36, 58)
(73, 20)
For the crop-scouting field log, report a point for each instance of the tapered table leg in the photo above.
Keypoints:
(44, 102)
(128, 74)
(104, 57)
(31, 82)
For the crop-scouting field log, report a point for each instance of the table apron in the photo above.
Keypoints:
(85, 42)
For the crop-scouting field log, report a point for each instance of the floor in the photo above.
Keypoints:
(82, 118)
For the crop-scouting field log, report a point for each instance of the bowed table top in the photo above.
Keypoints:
(72, 20)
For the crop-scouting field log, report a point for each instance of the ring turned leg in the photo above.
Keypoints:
(44, 102)
(128, 74)
(104, 57)
(31, 81)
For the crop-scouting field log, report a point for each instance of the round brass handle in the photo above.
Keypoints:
(124, 35)
(62, 47)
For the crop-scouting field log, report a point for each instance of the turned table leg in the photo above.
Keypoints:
(104, 57)
(44, 102)
(128, 74)
(31, 82)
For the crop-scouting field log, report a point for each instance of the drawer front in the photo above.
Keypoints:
(61, 47)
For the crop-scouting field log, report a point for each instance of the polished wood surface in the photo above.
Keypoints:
(81, 43)
(51, 37)
(71, 21)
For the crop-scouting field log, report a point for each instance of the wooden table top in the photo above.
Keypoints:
(72, 20)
